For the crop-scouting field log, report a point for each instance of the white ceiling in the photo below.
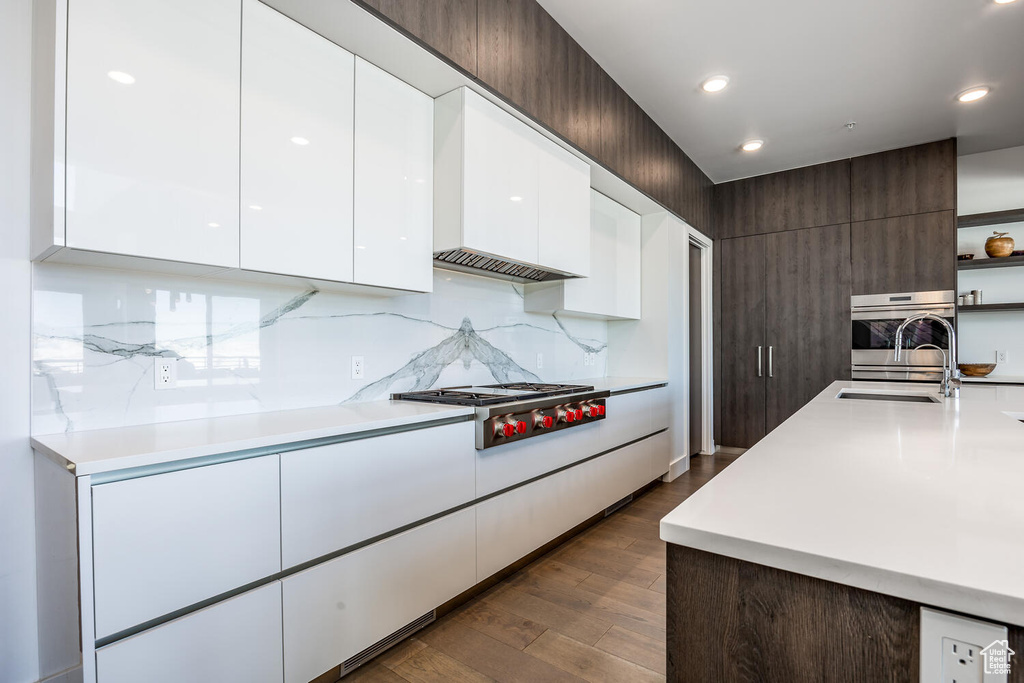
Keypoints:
(801, 69)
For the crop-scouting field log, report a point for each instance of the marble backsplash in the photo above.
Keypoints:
(245, 348)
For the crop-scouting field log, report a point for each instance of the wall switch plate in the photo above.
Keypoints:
(961, 650)
(540, 361)
(1001, 356)
(357, 367)
(165, 373)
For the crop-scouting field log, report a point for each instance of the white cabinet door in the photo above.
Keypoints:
(339, 608)
(564, 211)
(627, 417)
(514, 524)
(170, 540)
(661, 454)
(500, 182)
(235, 640)
(152, 129)
(617, 474)
(612, 290)
(338, 495)
(296, 163)
(394, 182)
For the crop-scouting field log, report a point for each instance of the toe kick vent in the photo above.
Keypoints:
(618, 505)
(354, 662)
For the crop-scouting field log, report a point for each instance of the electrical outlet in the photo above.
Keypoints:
(1001, 356)
(165, 373)
(956, 649)
(357, 367)
(961, 662)
(540, 361)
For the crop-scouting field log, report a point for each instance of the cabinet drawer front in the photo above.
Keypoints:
(516, 523)
(661, 454)
(152, 151)
(335, 496)
(616, 475)
(167, 541)
(337, 609)
(628, 418)
(235, 640)
(660, 409)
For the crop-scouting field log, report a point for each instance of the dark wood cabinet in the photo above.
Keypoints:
(448, 27)
(789, 294)
(912, 180)
(807, 293)
(905, 254)
(806, 197)
(743, 340)
(735, 214)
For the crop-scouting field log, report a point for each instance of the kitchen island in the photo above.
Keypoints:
(809, 557)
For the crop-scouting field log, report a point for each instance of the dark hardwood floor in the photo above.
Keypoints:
(592, 609)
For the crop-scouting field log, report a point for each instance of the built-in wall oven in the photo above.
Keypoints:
(874, 319)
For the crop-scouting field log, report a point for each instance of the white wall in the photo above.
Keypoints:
(18, 640)
(991, 181)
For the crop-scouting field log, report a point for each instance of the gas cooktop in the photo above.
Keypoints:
(491, 394)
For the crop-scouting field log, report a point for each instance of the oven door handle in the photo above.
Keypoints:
(759, 353)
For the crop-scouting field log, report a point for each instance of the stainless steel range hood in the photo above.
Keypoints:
(466, 261)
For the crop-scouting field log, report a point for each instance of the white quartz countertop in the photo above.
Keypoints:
(614, 384)
(919, 501)
(107, 450)
(104, 450)
(994, 379)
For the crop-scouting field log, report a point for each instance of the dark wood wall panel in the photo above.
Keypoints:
(519, 51)
(900, 182)
(905, 254)
(446, 26)
(804, 197)
(735, 208)
(807, 288)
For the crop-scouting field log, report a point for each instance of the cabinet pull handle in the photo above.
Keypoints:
(759, 349)
(771, 369)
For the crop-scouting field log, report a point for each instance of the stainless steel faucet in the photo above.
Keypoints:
(950, 371)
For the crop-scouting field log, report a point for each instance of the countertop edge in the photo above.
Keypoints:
(965, 599)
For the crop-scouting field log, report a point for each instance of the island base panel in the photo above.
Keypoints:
(730, 620)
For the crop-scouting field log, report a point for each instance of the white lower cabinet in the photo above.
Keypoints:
(167, 541)
(338, 495)
(661, 454)
(629, 417)
(339, 608)
(238, 640)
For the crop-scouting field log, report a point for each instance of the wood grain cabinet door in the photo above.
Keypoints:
(807, 289)
(905, 254)
(743, 320)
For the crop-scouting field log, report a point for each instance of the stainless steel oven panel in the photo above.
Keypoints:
(893, 374)
(945, 310)
(887, 357)
(903, 300)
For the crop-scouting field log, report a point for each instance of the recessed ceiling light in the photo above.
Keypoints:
(121, 77)
(752, 145)
(515, 199)
(255, 207)
(973, 94)
(1003, 2)
(214, 225)
(715, 84)
(300, 141)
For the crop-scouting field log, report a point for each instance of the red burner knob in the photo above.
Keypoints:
(508, 429)
(521, 427)
(570, 416)
(579, 413)
(547, 421)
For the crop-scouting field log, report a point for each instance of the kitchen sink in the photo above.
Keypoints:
(900, 398)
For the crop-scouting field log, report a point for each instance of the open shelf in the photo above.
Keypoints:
(976, 220)
(1004, 262)
(991, 307)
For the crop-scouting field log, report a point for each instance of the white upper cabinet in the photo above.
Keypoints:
(296, 156)
(502, 188)
(564, 211)
(613, 289)
(394, 182)
(152, 129)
